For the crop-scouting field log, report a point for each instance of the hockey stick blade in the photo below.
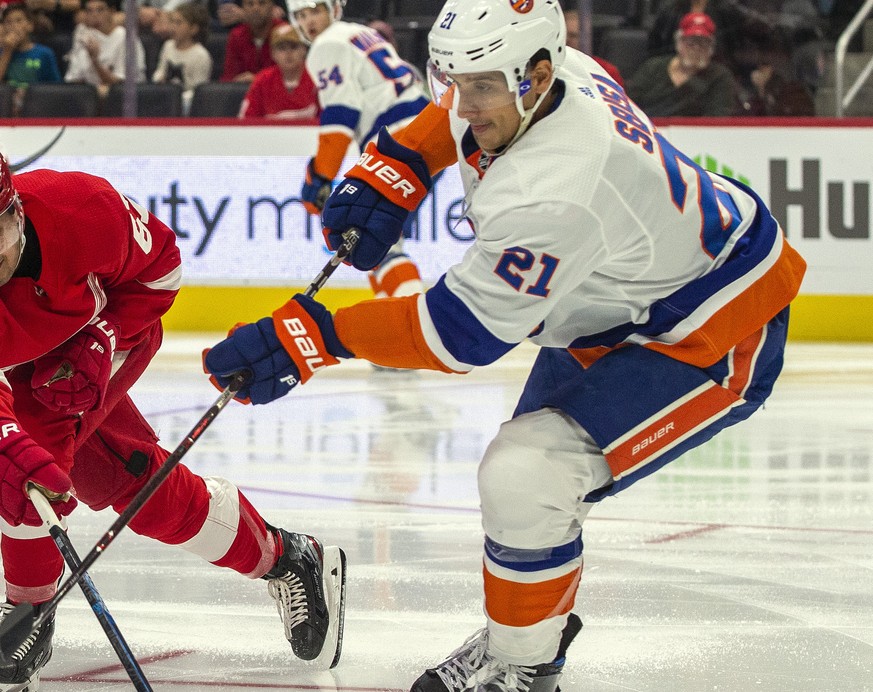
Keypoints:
(40, 498)
(16, 627)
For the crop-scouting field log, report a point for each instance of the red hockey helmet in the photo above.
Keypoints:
(12, 234)
(8, 196)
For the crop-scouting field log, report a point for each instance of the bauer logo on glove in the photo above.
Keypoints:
(377, 195)
(281, 351)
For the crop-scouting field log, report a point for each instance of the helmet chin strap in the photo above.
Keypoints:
(527, 115)
(23, 238)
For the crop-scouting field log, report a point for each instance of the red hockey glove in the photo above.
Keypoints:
(73, 377)
(23, 461)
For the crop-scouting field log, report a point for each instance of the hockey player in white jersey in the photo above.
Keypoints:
(657, 291)
(363, 86)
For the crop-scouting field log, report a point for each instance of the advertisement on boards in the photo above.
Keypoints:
(232, 194)
(817, 183)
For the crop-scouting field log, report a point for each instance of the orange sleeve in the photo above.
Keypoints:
(386, 332)
(332, 148)
(431, 136)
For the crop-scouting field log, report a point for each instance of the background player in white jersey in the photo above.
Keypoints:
(85, 276)
(363, 86)
(657, 291)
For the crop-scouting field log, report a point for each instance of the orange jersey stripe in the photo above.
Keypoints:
(730, 325)
(744, 315)
(587, 356)
(431, 136)
(386, 332)
(742, 362)
(644, 444)
(520, 605)
(332, 147)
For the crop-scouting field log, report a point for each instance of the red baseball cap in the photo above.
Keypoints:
(697, 24)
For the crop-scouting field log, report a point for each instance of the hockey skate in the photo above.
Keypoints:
(471, 667)
(308, 583)
(19, 672)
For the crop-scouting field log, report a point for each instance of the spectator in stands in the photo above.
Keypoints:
(795, 26)
(22, 61)
(54, 16)
(184, 59)
(284, 90)
(228, 13)
(98, 54)
(770, 88)
(687, 83)
(248, 48)
(154, 17)
(662, 35)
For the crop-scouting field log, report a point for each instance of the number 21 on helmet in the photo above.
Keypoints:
(475, 37)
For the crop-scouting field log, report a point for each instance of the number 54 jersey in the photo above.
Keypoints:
(362, 84)
(591, 232)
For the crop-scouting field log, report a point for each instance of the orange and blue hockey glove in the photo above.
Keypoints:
(316, 190)
(378, 193)
(280, 351)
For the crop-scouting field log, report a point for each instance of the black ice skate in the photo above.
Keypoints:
(471, 667)
(308, 583)
(19, 671)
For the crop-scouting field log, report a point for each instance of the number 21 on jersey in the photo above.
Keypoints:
(518, 267)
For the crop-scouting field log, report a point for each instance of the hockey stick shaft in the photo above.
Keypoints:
(95, 600)
(351, 238)
(23, 619)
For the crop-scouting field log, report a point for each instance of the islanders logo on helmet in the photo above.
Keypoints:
(521, 6)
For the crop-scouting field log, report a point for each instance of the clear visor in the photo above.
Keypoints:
(475, 91)
(11, 227)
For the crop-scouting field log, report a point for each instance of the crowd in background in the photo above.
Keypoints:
(675, 57)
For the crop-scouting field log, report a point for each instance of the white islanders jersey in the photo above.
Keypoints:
(362, 83)
(593, 231)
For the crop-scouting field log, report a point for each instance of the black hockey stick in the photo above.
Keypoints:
(104, 617)
(24, 618)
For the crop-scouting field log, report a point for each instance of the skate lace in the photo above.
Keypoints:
(290, 597)
(497, 676)
(27, 644)
(457, 669)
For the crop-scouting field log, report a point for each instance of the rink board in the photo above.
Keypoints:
(230, 191)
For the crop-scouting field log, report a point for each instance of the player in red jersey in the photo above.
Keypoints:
(85, 276)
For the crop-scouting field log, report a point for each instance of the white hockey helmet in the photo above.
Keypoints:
(334, 11)
(472, 36)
